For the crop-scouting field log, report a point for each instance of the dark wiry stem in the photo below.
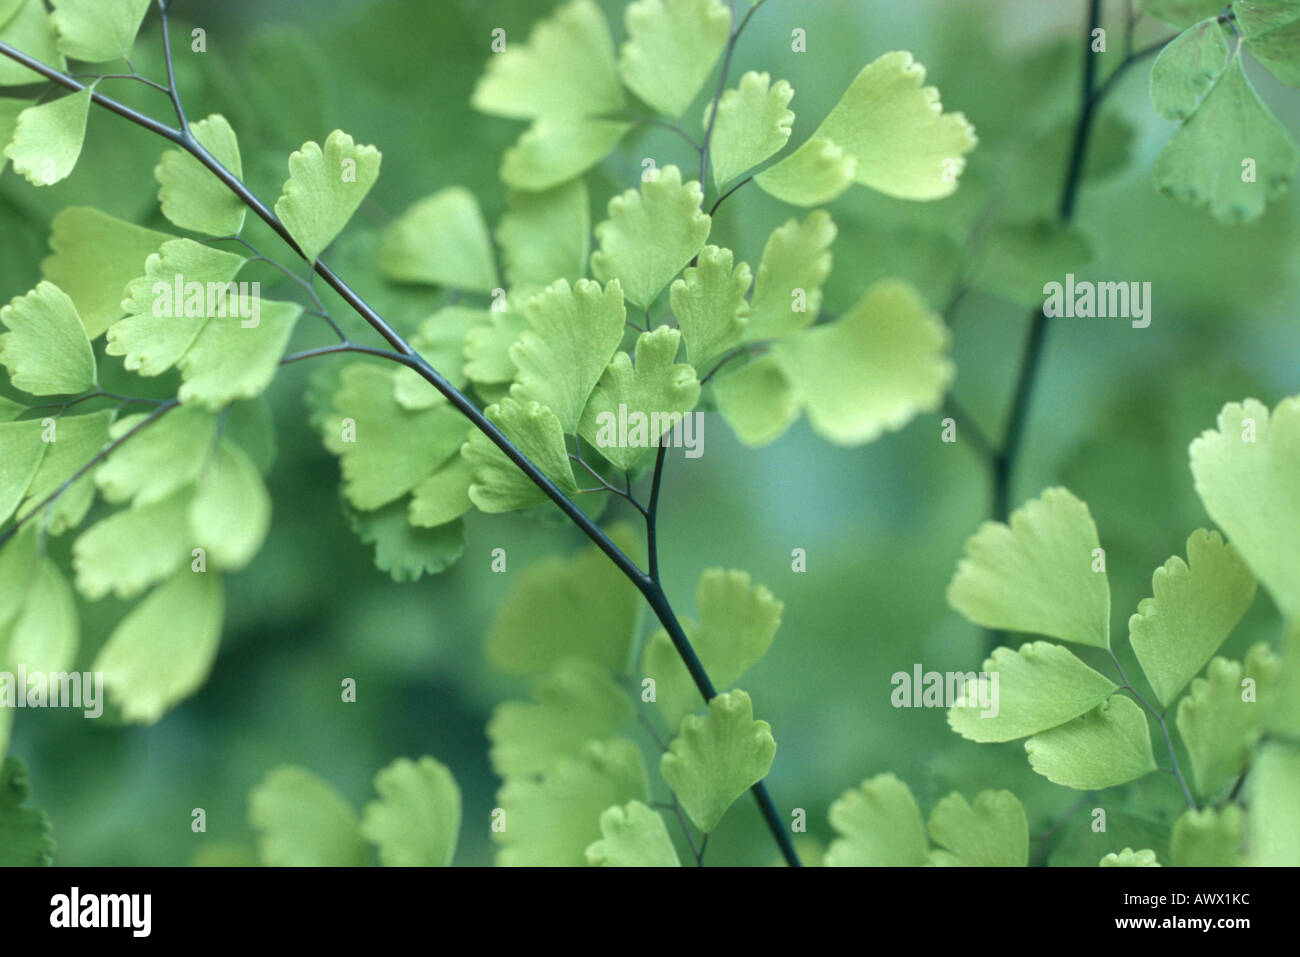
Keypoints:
(650, 588)
(103, 453)
(722, 85)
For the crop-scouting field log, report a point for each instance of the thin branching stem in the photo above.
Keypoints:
(604, 486)
(172, 89)
(62, 407)
(1091, 97)
(659, 602)
(670, 127)
(103, 453)
(1176, 771)
(722, 86)
(724, 196)
(121, 76)
(650, 588)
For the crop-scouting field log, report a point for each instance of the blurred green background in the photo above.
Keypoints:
(882, 525)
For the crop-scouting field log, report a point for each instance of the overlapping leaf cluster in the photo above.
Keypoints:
(179, 486)
(1044, 573)
(1229, 152)
(575, 786)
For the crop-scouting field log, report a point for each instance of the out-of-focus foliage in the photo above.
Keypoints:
(881, 526)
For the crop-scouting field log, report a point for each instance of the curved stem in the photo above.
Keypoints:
(405, 353)
(1176, 771)
(724, 196)
(722, 86)
(172, 90)
(649, 587)
(1091, 96)
(658, 600)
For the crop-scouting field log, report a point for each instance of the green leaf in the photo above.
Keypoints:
(653, 388)
(74, 441)
(1130, 858)
(718, 757)
(671, 48)
(165, 311)
(46, 351)
(48, 139)
(1109, 745)
(556, 149)
(1272, 31)
(416, 821)
(710, 306)
(9, 111)
(1222, 716)
(30, 30)
(1208, 838)
(1274, 825)
(650, 235)
(231, 360)
(881, 827)
(566, 68)
(1036, 688)
(737, 625)
(872, 371)
(1284, 715)
(135, 547)
(895, 129)
(757, 401)
(325, 187)
(98, 30)
(815, 173)
(303, 822)
(573, 335)
(546, 236)
(1020, 258)
(441, 340)
(487, 347)
(22, 449)
(441, 241)
(1245, 475)
(46, 634)
(94, 257)
(993, 833)
(632, 836)
(788, 287)
(1231, 134)
(1182, 13)
(576, 703)
(231, 513)
(1187, 68)
(561, 608)
(1036, 575)
(753, 124)
(499, 484)
(165, 456)
(550, 820)
(191, 196)
(162, 651)
(384, 449)
(444, 496)
(403, 551)
(18, 558)
(26, 836)
(1194, 610)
